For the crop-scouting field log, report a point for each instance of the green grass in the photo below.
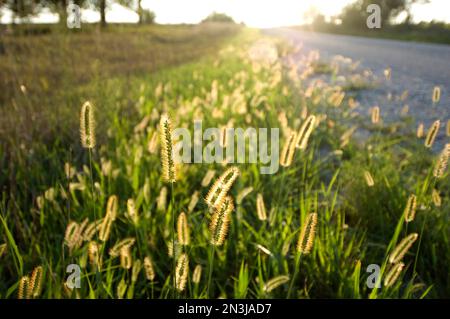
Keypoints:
(357, 225)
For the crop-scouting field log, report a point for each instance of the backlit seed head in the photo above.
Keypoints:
(306, 238)
(375, 115)
(275, 283)
(182, 271)
(87, 125)
(112, 207)
(410, 209)
(220, 221)
(194, 200)
(132, 211)
(183, 230)
(94, 254)
(105, 228)
(393, 274)
(197, 274)
(305, 131)
(152, 145)
(91, 229)
(436, 94)
(161, 202)
(260, 207)
(167, 157)
(402, 248)
(448, 128)
(432, 133)
(126, 260)
(287, 154)
(420, 130)
(369, 179)
(218, 191)
(436, 198)
(23, 287)
(127, 242)
(35, 283)
(240, 197)
(442, 163)
(208, 177)
(149, 270)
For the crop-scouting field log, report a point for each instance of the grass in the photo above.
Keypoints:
(357, 225)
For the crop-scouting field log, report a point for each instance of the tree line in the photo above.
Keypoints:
(22, 10)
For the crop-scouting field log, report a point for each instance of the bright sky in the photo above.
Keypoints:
(255, 13)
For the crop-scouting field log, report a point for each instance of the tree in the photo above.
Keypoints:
(218, 17)
(145, 15)
(22, 9)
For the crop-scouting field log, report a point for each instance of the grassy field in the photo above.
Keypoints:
(308, 231)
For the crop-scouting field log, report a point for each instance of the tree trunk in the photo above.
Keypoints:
(103, 13)
(62, 13)
(140, 11)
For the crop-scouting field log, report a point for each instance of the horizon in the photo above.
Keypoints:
(269, 13)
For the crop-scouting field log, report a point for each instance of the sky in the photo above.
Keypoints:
(254, 13)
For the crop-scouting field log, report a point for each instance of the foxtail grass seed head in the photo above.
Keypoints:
(305, 132)
(167, 157)
(112, 207)
(149, 269)
(306, 238)
(35, 283)
(264, 250)
(260, 207)
(287, 154)
(388, 73)
(71, 236)
(87, 125)
(432, 133)
(161, 202)
(275, 283)
(91, 229)
(410, 209)
(137, 265)
(375, 115)
(23, 287)
(105, 228)
(218, 191)
(208, 177)
(127, 242)
(442, 162)
(220, 221)
(197, 275)
(420, 130)
(126, 260)
(436, 198)
(181, 272)
(402, 248)
(393, 274)
(132, 211)
(183, 230)
(194, 200)
(448, 128)
(369, 179)
(242, 194)
(94, 254)
(436, 94)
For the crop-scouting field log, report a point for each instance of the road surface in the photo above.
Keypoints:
(416, 67)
